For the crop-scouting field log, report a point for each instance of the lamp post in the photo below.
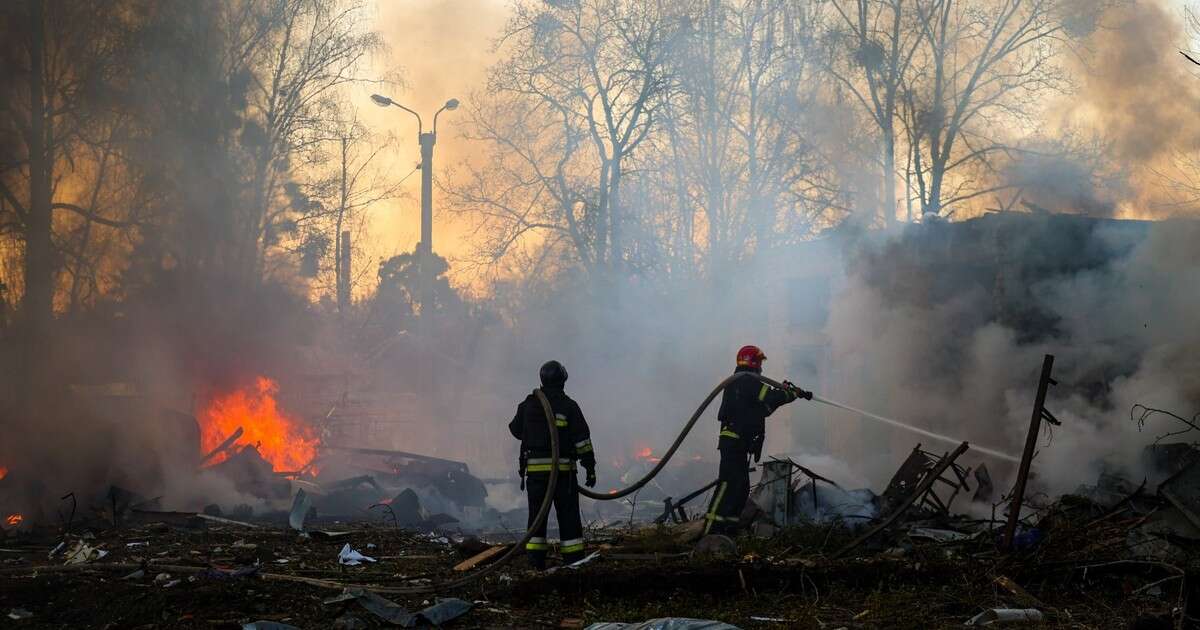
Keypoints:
(425, 247)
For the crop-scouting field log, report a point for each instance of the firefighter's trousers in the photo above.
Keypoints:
(566, 507)
(733, 488)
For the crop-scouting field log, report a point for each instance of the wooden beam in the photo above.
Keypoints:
(480, 558)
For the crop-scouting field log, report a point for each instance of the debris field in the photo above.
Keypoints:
(1113, 555)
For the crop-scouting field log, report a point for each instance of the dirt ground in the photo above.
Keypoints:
(788, 581)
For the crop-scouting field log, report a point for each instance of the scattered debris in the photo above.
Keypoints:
(439, 613)
(824, 504)
(938, 535)
(445, 610)
(919, 492)
(1183, 491)
(301, 504)
(984, 489)
(407, 509)
(575, 565)
(268, 625)
(666, 623)
(1117, 541)
(921, 467)
(1002, 616)
(222, 447)
(81, 552)
(716, 545)
(482, 557)
(1019, 594)
(352, 558)
(674, 509)
(324, 535)
(214, 573)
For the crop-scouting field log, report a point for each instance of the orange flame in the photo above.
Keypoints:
(284, 441)
(3, 472)
(646, 453)
(14, 519)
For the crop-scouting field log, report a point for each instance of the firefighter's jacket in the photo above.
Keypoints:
(574, 438)
(745, 405)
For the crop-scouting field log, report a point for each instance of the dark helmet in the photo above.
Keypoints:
(553, 374)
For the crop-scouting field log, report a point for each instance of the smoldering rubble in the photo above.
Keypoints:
(937, 538)
(240, 390)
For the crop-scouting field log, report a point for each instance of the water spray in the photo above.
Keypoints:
(908, 427)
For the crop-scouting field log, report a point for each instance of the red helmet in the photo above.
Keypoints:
(751, 357)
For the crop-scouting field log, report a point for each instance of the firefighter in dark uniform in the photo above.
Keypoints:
(574, 448)
(745, 405)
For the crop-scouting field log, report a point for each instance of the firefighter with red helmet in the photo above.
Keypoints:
(574, 447)
(745, 405)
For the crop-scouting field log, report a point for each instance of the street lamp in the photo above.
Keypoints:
(426, 140)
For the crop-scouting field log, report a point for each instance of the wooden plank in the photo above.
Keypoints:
(1021, 596)
(228, 521)
(480, 558)
(1031, 438)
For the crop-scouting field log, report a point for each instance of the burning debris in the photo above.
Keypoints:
(252, 414)
(1069, 552)
(228, 396)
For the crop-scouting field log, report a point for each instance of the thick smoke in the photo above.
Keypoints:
(1066, 181)
(643, 352)
(1136, 86)
(1121, 334)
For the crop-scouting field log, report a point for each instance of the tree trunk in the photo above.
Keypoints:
(936, 174)
(889, 177)
(38, 304)
(614, 213)
(341, 291)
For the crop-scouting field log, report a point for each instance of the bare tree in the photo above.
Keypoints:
(334, 200)
(57, 60)
(577, 93)
(978, 69)
(871, 59)
(735, 154)
(295, 57)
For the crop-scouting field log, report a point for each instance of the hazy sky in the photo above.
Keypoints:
(442, 49)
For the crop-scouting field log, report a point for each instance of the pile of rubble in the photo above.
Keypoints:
(1114, 554)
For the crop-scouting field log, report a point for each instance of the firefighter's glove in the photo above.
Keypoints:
(591, 478)
(800, 393)
(756, 447)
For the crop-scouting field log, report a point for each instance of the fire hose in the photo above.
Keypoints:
(547, 500)
(544, 511)
(637, 485)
